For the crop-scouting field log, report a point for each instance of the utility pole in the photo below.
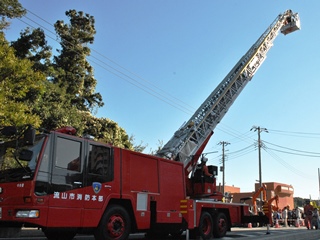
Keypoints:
(223, 163)
(259, 130)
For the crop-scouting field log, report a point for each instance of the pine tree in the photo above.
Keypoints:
(76, 74)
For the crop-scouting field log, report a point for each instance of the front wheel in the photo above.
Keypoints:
(114, 224)
(220, 225)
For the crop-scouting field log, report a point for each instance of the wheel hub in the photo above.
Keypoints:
(115, 226)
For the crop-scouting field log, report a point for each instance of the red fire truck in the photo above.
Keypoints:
(66, 185)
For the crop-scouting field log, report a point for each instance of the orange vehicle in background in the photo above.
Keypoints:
(262, 189)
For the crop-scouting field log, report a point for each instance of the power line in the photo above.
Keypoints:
(242, 150)
(296, 134)
(297, 154)
(295, 150)
(240, 137)
(285, 164)
(134, 83)
(153, 90)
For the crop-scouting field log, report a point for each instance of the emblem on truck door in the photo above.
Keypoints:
(96, 187)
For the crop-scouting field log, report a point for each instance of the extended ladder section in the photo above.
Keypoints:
(192, 137)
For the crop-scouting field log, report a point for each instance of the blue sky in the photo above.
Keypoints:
(157, 61)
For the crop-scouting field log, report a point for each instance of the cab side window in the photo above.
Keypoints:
(68, 154)
(67, 171)
(100, 164)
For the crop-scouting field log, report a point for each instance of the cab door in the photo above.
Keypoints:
(66, 185)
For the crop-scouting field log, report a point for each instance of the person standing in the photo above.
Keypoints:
(274, 216)
(315, 218)
(298, 215)
(318, 218)
(285, 216)
(308, 210)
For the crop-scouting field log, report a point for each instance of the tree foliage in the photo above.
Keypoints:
(32, 45)
(106, 130)
(10, 9)
(20, 88)
(77, 75)
(53, 91)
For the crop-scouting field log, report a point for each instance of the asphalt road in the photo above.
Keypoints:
(291, 233)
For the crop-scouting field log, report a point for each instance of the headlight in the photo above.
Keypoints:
(28, 214)
(0, 189)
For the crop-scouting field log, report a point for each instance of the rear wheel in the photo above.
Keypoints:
(115, 224)
(220, 225)
(205, 225)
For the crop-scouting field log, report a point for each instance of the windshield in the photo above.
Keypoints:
(18, 159)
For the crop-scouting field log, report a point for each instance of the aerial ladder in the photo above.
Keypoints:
(190, 139)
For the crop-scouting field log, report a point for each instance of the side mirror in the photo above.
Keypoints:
(25, 155)
(29, 136)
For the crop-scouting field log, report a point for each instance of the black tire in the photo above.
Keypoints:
(205, 225)
(220, 225)
(114, 224)
(58, 233)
